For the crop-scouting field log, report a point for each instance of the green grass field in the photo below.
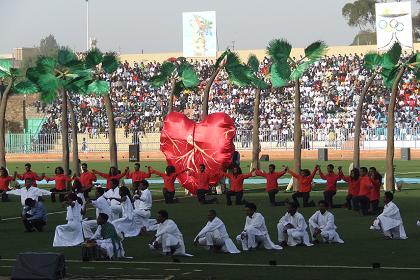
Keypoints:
(352, 260)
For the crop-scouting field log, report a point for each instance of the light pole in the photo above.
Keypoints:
(87, 25)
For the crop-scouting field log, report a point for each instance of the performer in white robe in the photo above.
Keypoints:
(28, 191)
(214, 236)
(390, 222)
(143, 207)
(70, 234)
(292, 226)
(168, 239)
(114, 192)
(255, 232)
(126, 225)
(107, 238)
(102, 205)
(322, 224)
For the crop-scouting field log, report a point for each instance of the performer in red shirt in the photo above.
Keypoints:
(353, 183)
(29, 174)
(203, 177)
(271, 187)
(361, 201)
(236, 181)
(169, 178)
(60, 184)
(114, 174)
(305, 179)
(137, 176)
(375, 191)
(86, 180)
(331, 184)
(5, 180)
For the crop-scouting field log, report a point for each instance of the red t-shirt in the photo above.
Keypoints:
(271, 179)
(137, 176)
(30, 175)
(375, 192)
(86, 179)
(237, 182)
(305, 183)
(60, 181)
(203, 179)
(4, 182)
(109, 178)
(332, 179)
(353, 185)
(365, 186)
(168, 181)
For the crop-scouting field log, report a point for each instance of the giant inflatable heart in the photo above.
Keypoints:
(187, 144)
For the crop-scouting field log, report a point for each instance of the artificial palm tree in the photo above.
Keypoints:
(181, 76)
(284, 70)
(10, 77)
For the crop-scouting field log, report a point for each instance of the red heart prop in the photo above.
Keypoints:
(187, 144)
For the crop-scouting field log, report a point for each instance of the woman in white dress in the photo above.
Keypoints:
(126, 225)
(70, 234)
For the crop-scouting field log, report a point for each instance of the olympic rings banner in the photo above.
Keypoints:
(393, 24)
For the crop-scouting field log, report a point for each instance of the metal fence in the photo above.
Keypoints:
(338, 139)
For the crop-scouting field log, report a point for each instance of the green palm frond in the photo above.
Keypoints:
(110, 63)
(220, 59)
(65, 56)
(4, 74)
(389, 76)
(298, 72)
(25, 87)
(259, 83)
(189, 77)
(48, 83)
(316, 51)
(93, 58)
(279, 50)
(158, 81)
(239, 74)
(98, 87)
(394, 53)
(253, 63)
(32, 74)
(276, 79)
(45, 65)
(167, 68)
(372, 60)
(5, 65)
(232, 59)
(15, 72)
(283, 70)
(48, 96)
(179, 88)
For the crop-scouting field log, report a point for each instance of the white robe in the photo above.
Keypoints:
(102, 206)
(126, 224)
(390, 222)
(254, 233)
(168, 236)
(70, 234)
(106, 244)
(31, 192)
(142, 211)
(296, 235)
(215, 234)
(325, 223)
(116, 209)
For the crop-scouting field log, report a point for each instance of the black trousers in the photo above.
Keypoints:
(169, 196)
(304, 196)
(361, 203)
(86, 192)
(375, 206)
(29, 225)
(272, 198)
(349, 201)
(4, 196)
(238, 197)
(201, 196)
(328, 197)
(61, 194)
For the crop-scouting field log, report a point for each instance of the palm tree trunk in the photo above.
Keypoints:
(171, 96)
(297, 135)
(206, 93)
(113, 153)
(256, 131)
(390, 150)
(65, 132)
(74, 140)
(358, 122)
(3, 106)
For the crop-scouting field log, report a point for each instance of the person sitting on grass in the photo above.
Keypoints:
(143, 206)
(5, 180)
(292, 228)
(390, 222)
(361, 201)
(168, 239)
(236, 182)
(375, 191)
(125, 225)
(70, 234)
(255, 233)
(107, 238)
(169, 178)
(331, 184)
(29, 191)
(113, 174)
(214, 236)
(353, 183)
(102, 206)
(305, 179)
(203, 183)
(114, 191)
(322, 226)
(34, 215)
(61, 181)
(137, 176)
(272, 187)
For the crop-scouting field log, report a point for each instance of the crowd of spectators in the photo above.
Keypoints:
(330, 91)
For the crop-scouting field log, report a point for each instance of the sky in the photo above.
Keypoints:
(133, 26)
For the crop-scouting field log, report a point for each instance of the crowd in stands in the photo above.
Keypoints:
(330, 92)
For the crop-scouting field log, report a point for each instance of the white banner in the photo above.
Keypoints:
(393, 24)
(199, 34)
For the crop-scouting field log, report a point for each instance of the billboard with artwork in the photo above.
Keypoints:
(199, 34)
(393, 24)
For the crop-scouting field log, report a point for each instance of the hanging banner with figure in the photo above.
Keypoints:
(393, 24)
(199, 34)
